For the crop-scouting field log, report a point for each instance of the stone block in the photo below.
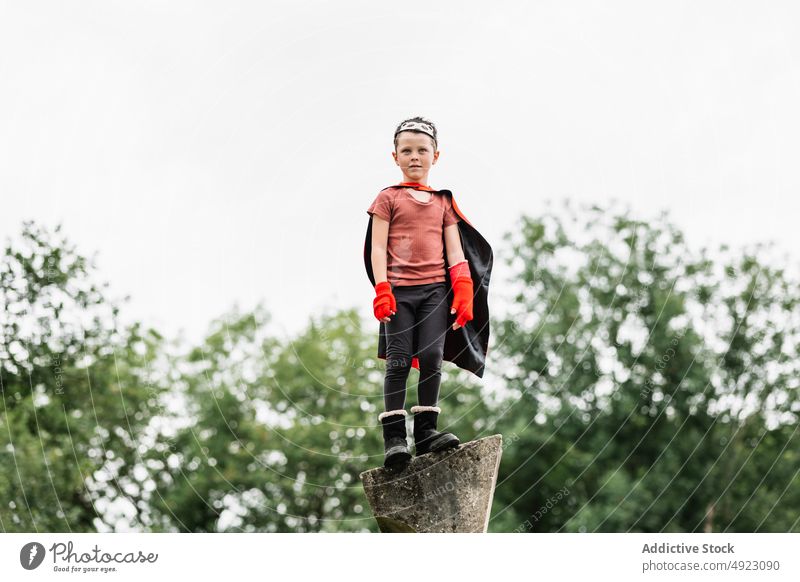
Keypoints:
(449, 491)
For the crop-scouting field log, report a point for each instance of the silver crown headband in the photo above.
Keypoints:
(417, 126)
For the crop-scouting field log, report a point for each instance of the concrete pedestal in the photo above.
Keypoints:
(451, 491)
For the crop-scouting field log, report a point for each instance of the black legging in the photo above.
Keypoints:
(422, 311)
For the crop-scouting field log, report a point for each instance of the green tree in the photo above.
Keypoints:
(642, 387)
(277, 432)
(75, 387)
(657, 384)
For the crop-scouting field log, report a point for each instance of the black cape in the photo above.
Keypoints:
(467, 346)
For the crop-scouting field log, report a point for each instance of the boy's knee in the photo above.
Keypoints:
(431, 359)
(398, 364)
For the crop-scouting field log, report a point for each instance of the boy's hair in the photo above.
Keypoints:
(418, 120)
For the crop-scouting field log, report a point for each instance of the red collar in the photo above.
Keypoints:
(416, 186)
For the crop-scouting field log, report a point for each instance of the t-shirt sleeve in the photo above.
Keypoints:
(383, 205)
(450, 216)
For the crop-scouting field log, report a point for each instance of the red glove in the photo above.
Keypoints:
(462, 293)
(384, 304)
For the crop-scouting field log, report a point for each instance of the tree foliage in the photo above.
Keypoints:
(639, 385)
(76, 390)
(656, 383)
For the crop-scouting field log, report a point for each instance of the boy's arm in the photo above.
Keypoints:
(462, 286)
(452, 243)
(380, 238)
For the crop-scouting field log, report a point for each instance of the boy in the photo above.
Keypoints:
(415, 259)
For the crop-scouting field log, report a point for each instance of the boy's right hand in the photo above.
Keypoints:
(384, 304)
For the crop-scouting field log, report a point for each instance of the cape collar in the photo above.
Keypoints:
(416, 186)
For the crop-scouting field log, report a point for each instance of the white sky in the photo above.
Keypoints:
(221, 152)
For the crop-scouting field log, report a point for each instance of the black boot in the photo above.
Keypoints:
(395, 445)
(426, 438)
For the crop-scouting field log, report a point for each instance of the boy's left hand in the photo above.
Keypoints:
(462, 302)
(455, 325)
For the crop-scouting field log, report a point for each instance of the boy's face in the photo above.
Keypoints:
(415, 155)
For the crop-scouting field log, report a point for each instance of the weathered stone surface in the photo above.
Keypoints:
(451, 491)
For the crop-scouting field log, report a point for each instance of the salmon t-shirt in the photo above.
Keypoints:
(415, 249)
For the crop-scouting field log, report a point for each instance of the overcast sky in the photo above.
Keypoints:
(221, 152)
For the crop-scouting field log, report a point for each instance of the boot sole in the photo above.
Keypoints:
(448, 441)
(395, 459)
(445, 442)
